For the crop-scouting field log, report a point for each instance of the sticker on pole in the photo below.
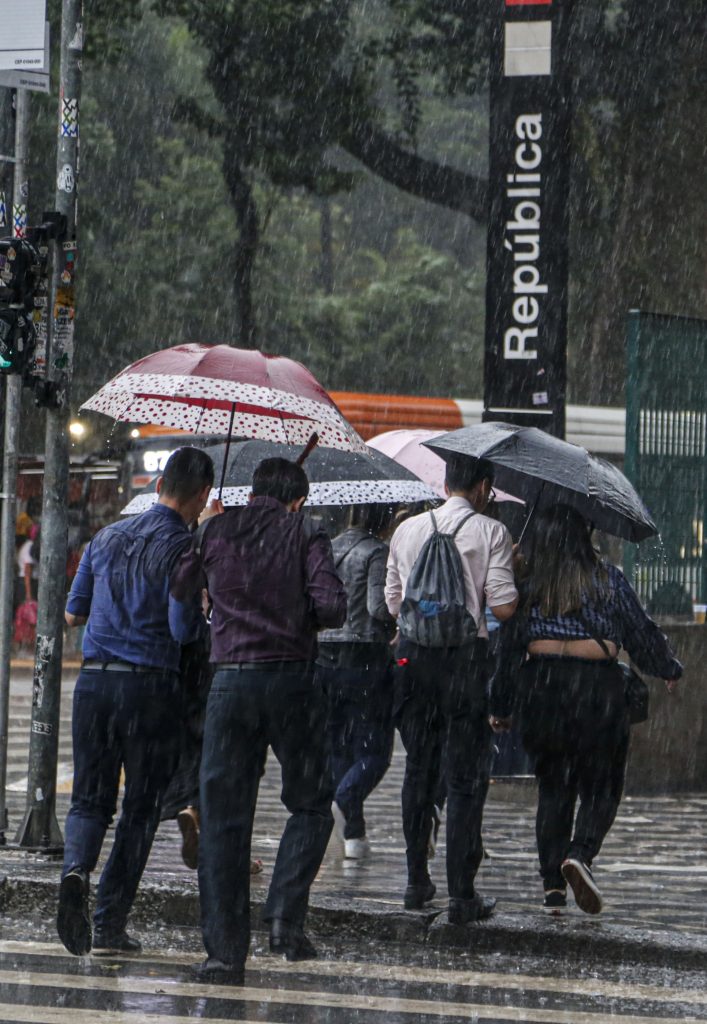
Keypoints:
(65, 179)
(69, 119)
(22, 47)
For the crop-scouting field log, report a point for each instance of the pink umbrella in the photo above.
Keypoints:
(217, 389)
(405, 446)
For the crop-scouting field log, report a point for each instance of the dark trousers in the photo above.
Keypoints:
(360, 736)
(574, 723)
(130, 721)
(246, 711)
(440, 708)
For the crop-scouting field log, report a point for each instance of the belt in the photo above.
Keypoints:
(261, 666)
(121, 666)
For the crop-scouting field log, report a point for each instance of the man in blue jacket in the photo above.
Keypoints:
(126, 711)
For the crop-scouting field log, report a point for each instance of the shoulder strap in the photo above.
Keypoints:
(435, 528)
(593, 634)
(461, 522)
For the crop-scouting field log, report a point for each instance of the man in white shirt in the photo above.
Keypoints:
(440, 693)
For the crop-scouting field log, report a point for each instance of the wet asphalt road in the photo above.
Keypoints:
(349, 984)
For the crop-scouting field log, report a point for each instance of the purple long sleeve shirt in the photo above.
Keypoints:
(272, 582)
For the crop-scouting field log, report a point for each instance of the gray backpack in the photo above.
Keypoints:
(434, 612)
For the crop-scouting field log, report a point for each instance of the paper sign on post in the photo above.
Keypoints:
(22, 34)
(37, 80)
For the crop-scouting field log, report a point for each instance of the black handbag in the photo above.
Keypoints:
(635, 687)
(637, 694)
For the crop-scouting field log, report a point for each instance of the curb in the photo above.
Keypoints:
(588, 940)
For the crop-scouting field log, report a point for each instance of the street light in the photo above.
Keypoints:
(77, 430)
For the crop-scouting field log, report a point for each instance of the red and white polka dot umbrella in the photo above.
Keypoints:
(217, 389)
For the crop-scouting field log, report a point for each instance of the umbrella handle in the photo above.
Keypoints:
(308, 448)
(228, 448)
(531, 513)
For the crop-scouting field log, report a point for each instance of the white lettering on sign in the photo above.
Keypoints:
(154, 462)
(522, 238)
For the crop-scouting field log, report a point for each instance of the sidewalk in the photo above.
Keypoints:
(652, 873)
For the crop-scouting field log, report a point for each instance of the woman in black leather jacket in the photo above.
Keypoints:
(355, 670)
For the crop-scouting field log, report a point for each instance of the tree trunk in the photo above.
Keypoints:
(246, 249)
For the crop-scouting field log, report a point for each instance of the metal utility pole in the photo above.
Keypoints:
(39, 829)
(13, 406)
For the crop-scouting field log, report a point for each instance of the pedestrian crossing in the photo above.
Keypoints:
(652, 869)
(41, 984)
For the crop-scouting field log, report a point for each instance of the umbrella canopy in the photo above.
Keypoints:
(408, 449)
(546, 470)
(336, 477)
(217, 389)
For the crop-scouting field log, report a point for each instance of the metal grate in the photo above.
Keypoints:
(666, 449)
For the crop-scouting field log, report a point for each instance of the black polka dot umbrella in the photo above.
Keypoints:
(336, 477)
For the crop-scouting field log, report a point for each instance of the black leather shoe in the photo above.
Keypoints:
(290, 940)
(111, 945)
(417, 895)
(73, 922)
(216, 972)
(467, 911)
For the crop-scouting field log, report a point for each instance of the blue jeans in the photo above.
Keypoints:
(130, 721)
(360, 736)
(248, 709)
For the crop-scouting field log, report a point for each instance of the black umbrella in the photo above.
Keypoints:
(336, 477)
(545, 470)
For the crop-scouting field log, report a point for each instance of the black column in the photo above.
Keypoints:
(526, 289)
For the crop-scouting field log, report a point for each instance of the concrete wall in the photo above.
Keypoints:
(668, 753)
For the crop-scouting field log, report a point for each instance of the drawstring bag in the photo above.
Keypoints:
(434, 612)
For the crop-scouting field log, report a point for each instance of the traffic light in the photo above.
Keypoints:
(20, 270)
(17, 341)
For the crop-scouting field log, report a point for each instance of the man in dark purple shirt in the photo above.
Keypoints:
(272, 583)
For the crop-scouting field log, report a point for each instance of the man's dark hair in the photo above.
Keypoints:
(280, 479)
(187, 472)
(463, 473)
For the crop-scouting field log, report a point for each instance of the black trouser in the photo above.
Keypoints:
(441, 711)
(574, 723)
(246, 711)
(360, 733)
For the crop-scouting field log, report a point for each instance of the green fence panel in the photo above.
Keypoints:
(666, 455)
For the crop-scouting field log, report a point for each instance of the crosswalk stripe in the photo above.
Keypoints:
(330, 1000)
(361, 969)
(16, 1013)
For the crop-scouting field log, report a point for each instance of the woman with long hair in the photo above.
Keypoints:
(561, 681)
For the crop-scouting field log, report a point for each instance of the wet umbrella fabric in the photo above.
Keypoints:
(217, 389)
(336, 477)
(543, 469)
(407, 448)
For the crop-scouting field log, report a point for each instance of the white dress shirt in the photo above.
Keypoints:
(486, 552)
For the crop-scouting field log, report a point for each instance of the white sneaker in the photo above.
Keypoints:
(580, 880)
(339, 820)
(356, 849)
